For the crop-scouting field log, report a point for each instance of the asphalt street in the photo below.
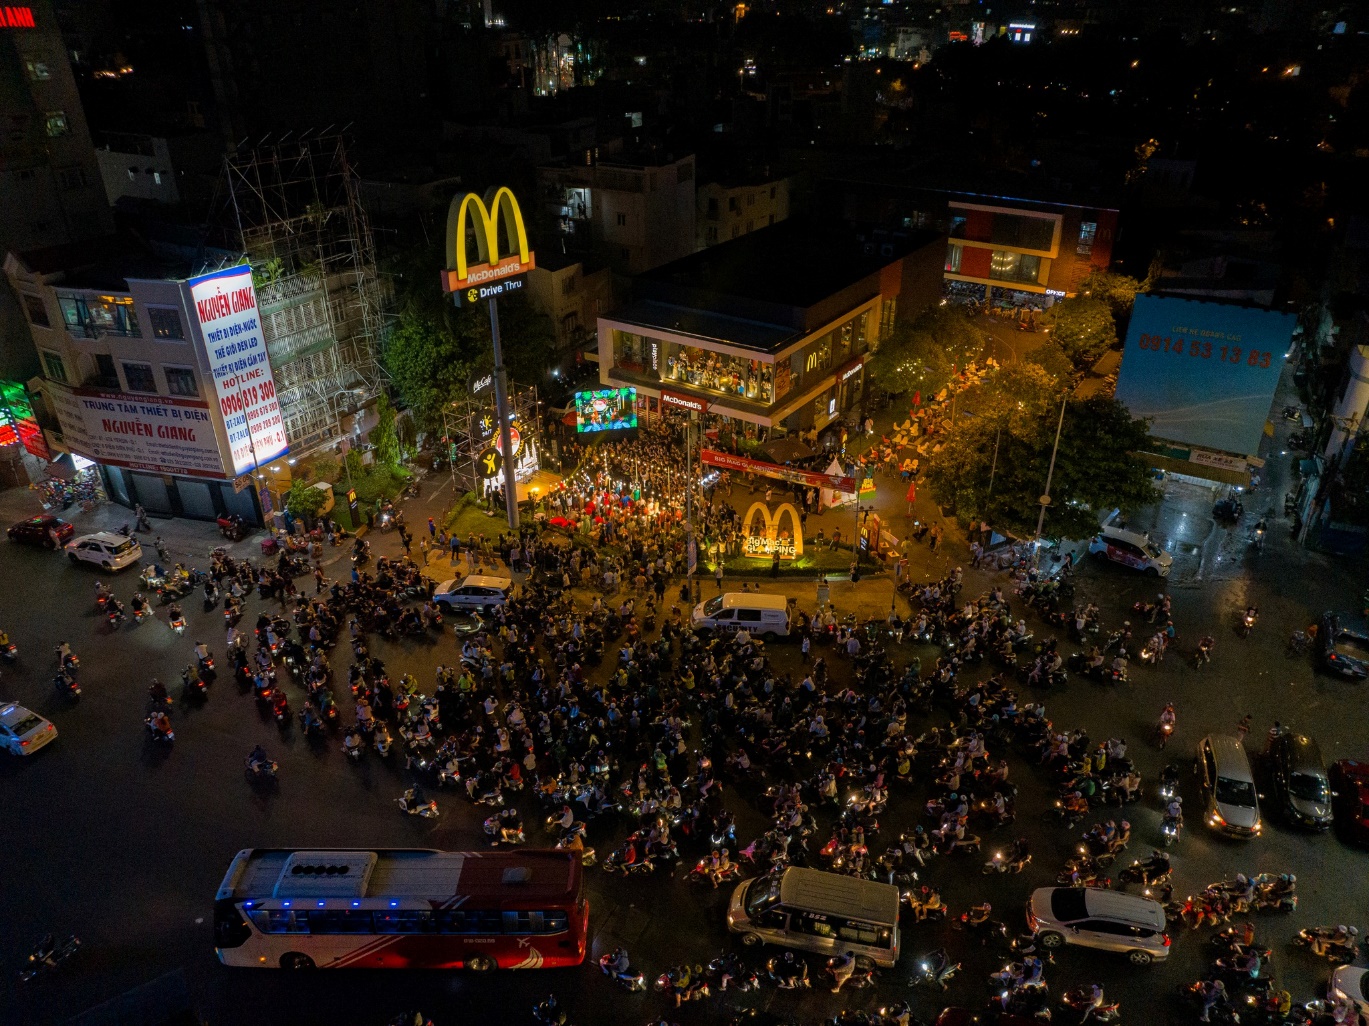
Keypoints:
(125, 845)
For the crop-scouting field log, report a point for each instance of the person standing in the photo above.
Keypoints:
(718, 576)
(775, 562)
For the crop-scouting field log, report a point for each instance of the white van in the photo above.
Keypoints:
(763, 615)
(826, 913)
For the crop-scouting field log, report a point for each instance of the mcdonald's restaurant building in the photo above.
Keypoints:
(770, 330)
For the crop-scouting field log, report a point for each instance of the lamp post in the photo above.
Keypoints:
(1045, 499)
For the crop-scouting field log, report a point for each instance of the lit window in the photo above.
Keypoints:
(1088, 231)
(38, 71)
(157, 177)
(37, 310)
(56, 121)
(166, 322)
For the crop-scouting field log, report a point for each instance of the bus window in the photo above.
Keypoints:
(412, 921)
(282, 921)
(555, 922)
(859, 933)
(340, 921)
(459, 921)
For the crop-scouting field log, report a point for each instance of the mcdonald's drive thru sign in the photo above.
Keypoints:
(494, 274)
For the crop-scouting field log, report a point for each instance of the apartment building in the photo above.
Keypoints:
(728, 210)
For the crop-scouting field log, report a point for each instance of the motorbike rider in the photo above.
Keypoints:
(1167, 718)
(1205, 646)
(352, 742)
(1212, 993)
(139, 603)
(1326, 942)
(258, 761)
(842, 967)
(1174, 814)
(413, 799)
(789, 971)
(202, 653)
(721, 868)
(160, 723)
(157, 692)
(1019, 854)
(617, 964)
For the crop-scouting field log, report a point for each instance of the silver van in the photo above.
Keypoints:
(825, 913)
(1230, 802)
(764, 615)
(1096, 918)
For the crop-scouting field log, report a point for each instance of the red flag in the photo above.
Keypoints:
(917, 398)
(912, 491)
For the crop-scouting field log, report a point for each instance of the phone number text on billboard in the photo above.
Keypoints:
(1203, 349)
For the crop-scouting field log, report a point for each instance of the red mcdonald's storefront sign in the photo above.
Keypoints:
(683, 402)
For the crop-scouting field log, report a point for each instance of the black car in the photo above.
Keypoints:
(40, 531)
(1301, 786)
(1342, 652)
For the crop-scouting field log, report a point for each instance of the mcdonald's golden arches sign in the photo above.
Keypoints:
(493, 269)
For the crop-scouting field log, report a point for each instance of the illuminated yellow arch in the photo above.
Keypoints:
(772, 527)
(487, 212)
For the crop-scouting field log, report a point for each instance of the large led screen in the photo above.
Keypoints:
(607, 409)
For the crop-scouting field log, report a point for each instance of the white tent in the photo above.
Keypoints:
(830, 497)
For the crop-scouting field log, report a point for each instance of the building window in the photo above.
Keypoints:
(56, 121)
(735, 231)
(750, 225)
(1022, 232)
(772, 192)
(713, 208)
(750, 199)
(53, 366)
(105, 373)
(139, 377)
(72, 178)
(1088, 231)
(38, 71)
(953, 258)
(622, 220)
(568, 284)
(37, 310)
(570, 323)
(180, 381)
(166, 322)
(732, 205)
(1009, 266)
(157, 177)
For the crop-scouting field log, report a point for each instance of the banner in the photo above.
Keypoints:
(804, 477)
(143, 432)
(1203, 373)
(226, 305)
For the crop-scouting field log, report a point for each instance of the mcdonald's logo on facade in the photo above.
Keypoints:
(487, 213)
(763, 535)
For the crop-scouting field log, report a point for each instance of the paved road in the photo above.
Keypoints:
(125, 845)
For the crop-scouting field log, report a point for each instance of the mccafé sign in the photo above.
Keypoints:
(683, 402)
(486, 215)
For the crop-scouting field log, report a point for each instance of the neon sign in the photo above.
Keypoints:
(16, 17)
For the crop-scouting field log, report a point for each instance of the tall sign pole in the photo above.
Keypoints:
(493, 276)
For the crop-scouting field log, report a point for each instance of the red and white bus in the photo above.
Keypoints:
(402, 908)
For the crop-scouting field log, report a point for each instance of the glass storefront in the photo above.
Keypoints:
(719, 372)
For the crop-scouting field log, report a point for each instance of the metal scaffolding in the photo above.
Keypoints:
(302, 227)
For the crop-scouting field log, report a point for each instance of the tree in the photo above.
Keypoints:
(353, 465)
(429, 366)
(384, 436)
(1083, 327)
(1096, 468)
(303, 500)
(924, 354)
(1117, 290)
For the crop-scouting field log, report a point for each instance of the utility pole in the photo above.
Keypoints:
(1045, 499)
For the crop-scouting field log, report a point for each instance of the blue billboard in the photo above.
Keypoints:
(1204, 374)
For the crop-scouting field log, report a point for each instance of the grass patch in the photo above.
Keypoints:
(815, 561)
(375, 485)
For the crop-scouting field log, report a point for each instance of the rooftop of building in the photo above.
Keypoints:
(705, 325)
(986, 186)
(795, 263)
(108, 262)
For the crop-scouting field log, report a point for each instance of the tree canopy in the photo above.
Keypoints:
(1083, 328)
(1117, 290)
(925, 353)
(1095, 469)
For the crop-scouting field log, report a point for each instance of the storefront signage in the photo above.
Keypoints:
(16, 17)
(853, 370)
(1220, 460)
(489, 463)
(491, 268)
(225, 302)
(480, 382)
(475, 293)
(684, 402)
(156, 433)
(727, 461)
(17, 423)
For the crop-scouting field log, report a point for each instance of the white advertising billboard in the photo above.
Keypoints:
(226, 306)
(154, 432)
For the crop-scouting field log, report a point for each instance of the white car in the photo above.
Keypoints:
(106, 549)
(474, 592)
(1348, 983)
(23, 731)
(1131, 548)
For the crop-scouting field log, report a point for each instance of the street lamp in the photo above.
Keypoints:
(1045, 499)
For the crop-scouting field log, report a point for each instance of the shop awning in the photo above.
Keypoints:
(62, 468)
(783, 450)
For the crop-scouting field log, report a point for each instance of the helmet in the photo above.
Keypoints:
(724, 853)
